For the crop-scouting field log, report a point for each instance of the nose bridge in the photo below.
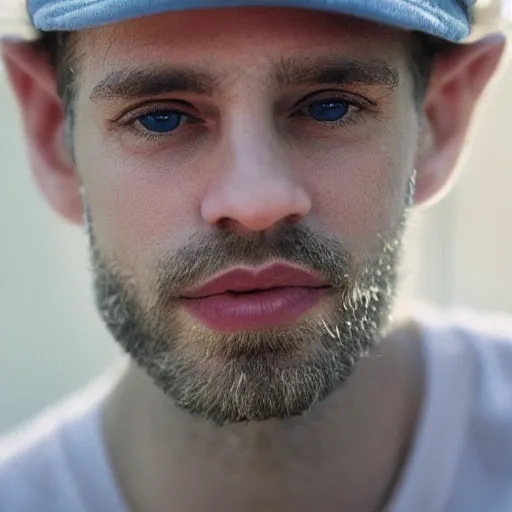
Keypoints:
(252, 147)
(255, 188)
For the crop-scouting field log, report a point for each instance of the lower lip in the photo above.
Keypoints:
(231, 312)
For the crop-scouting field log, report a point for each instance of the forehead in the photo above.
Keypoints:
(229, 38)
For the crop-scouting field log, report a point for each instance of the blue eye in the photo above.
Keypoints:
(328, 111)
(164, 121)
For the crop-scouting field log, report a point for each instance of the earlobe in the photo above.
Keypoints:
(457, 81)
(34, 85)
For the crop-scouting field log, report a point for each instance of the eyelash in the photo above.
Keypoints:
(357, 107)
(129, 121)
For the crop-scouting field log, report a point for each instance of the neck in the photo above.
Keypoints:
(345, 454)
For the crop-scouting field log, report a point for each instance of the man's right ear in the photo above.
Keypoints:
(34, 83)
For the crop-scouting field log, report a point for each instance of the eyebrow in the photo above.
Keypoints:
(340, 71)
(132, 83)
(129, 83)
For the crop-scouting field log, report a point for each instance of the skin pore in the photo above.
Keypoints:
(276, 153)
(252, 171)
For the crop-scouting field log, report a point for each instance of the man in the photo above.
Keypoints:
(245, 174)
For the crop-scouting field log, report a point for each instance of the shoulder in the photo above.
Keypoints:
(462, 336)
(477, 339)
(486, 335)
(477, 345)
(462, 452)
(31, 463)
(35, 468)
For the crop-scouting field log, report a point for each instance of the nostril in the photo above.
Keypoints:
(235, 226)
(294, 218)
(249, 206)
(246, 228)
(225, 223)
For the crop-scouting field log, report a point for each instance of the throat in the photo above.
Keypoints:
(345, 454)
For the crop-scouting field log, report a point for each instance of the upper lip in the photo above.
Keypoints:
(245, 279)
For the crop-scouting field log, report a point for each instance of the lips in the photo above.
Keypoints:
(244, 299)
(244, 280)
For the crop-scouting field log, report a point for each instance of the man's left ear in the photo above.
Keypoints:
(457, 81)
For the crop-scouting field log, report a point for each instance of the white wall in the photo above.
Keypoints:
(51, 341)
(466, 244)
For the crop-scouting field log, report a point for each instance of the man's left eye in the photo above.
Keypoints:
(327, 111)
(163, 121)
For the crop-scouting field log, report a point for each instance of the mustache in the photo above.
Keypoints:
(207, 254)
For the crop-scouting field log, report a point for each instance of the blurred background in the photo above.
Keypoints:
(52, 341)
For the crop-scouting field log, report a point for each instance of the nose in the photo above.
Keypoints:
(255, 189)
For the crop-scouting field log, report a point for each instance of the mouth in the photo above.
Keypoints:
(247, 299)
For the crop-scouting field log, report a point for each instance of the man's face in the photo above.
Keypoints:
(271, 147)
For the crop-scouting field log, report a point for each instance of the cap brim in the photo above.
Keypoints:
(443, 18)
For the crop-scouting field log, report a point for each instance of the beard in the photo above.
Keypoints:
(252, 375)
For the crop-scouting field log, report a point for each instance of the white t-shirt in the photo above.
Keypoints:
(461, 460)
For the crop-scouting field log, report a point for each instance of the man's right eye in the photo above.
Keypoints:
(161, 122)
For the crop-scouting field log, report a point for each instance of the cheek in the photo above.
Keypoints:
(360, 189)
(144, 205)
(141, 206)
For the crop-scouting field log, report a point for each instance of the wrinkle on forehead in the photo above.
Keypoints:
(237, 35)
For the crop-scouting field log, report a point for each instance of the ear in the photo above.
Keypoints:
(457, 81)
(34, 83)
